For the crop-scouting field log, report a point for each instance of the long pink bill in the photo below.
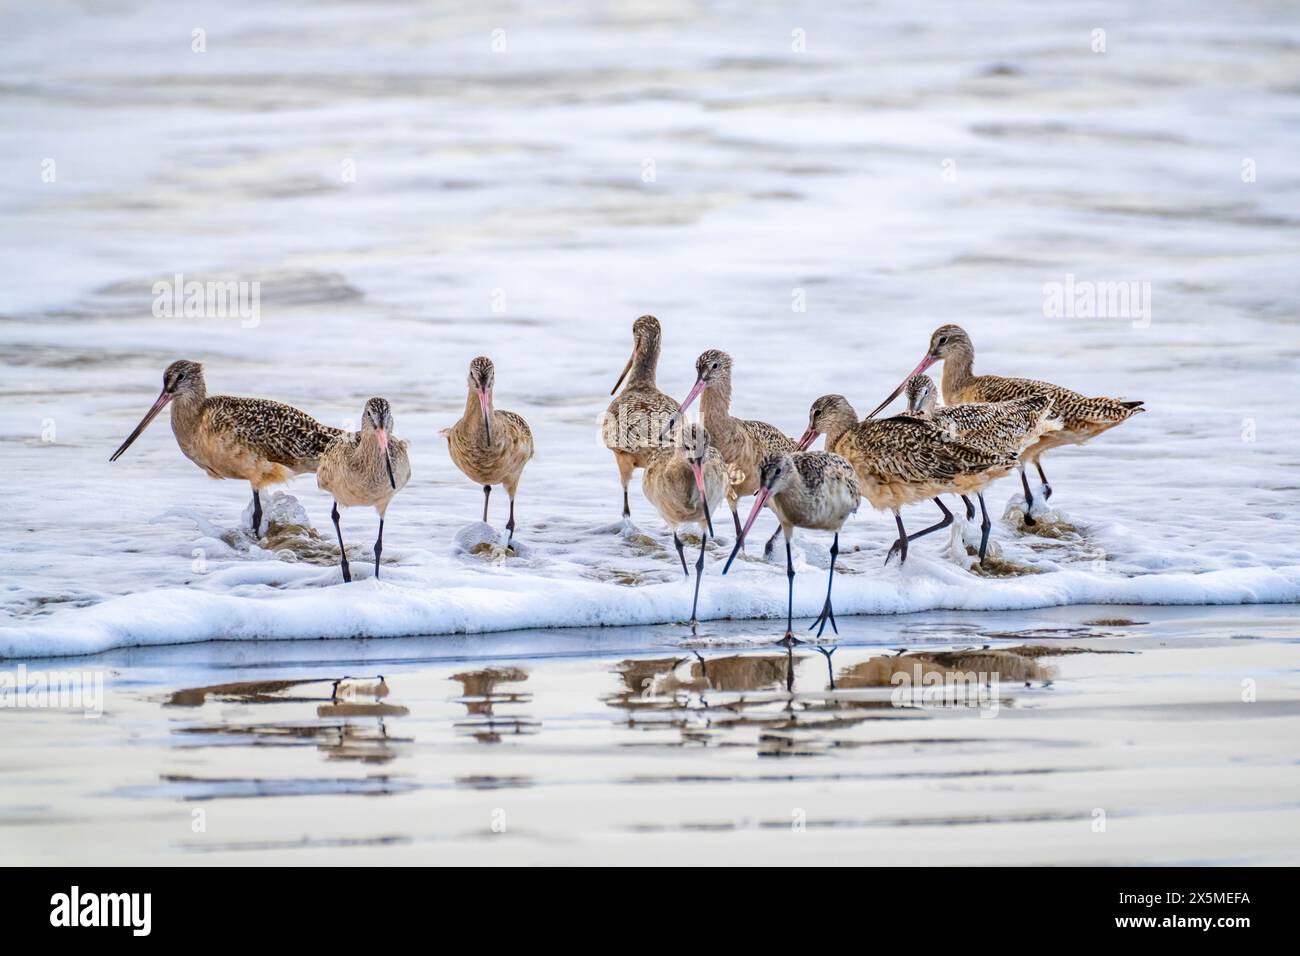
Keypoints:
(485, 402)
(382, 435)
(704, 495)
(808, 438)
(759, 500)
(678, 415)
(158, 406)
(924, 364)
(626, 368)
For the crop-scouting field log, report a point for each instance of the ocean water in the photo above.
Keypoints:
(1073, 735)
(811, 187)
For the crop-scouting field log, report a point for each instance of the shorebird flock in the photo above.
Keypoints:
(988, 426)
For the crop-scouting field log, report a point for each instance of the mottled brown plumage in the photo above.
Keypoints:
(256, 439)
(670, 483)
(900, 461)
(365, 468)
(995, 427)
(685, 483)
(817, 490)
(490, 445)
(743, 443)
(1082, 417)
(634, 420)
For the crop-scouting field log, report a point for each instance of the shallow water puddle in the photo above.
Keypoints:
(567, 746)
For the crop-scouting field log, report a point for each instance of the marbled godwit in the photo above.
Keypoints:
(685, 483)
(900, 461)
(490, 445)
(1081, 417)
(742, 443)
(808, 489)
(365, 469)
(261, 441)
(994, 427)
(634, 419)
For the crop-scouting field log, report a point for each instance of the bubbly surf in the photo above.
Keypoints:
(407, 198)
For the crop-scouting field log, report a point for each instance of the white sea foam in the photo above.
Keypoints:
(499, 205)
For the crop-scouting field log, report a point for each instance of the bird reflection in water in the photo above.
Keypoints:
(349, 721)
(796, 707)
(481, 698)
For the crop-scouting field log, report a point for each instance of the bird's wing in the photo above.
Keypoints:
(278, 432)
(771, 437)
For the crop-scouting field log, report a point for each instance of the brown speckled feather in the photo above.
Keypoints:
(995, 427)
(911, 450)
(256, 439)
(273, 430)
(639, 413)
(744, 443)
(634, 420)
(768, 436)
(818, 468)
(1076, 411)
(502, 461)
(499, 463)
(817, 490)
(904, 460)
(1082, 417)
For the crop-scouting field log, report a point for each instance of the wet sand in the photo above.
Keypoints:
(1099, 735)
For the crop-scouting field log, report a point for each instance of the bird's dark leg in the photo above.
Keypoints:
(771, 544)
(257, 514)
(1047, 488)
(699, 573)
(970, 507)
(510, 525)
(343, 555)
(947, 520)
(827, 613)
(379, 546)
(985, 525)
(487, 493)
(1029, 498)
(789, 640)
(680, 553)
(735, 516)
(901, 544)
(627, 508)
(830, 671)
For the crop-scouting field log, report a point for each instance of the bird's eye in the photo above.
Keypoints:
(942, 339)
(715, 364)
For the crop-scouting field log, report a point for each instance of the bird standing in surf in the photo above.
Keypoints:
(901, 461)
(633, 422)
(995, 427)
(685, 483)
(808, 489)
(490, 445)
(254, 439)
(365, 468)
(742, 443)
(1082, 417)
